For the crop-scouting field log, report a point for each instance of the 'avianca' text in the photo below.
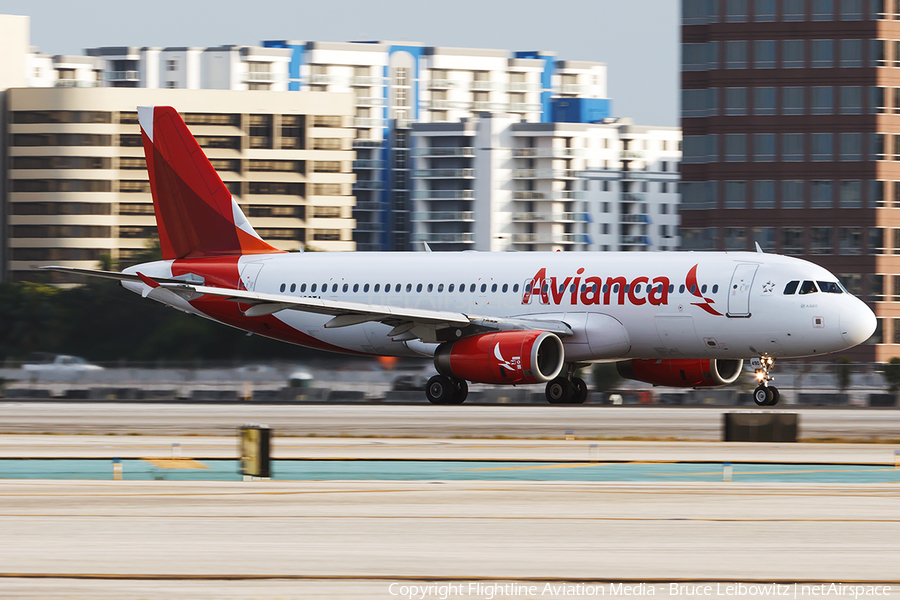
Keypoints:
(596, 290)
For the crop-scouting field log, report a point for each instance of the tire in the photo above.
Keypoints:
(440, 390)
(762, 396)
(461, 392)
(776, 395)
(558, 391)
(579, 391)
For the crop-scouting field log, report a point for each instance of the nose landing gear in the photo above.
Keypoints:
(765, 394)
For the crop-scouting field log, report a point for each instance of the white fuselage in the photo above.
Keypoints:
(619, 305)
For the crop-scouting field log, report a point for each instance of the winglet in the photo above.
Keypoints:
(427, 247)
(758, 249)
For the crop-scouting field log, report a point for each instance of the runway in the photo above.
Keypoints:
(359, 420)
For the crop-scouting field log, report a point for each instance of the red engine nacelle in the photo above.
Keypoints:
(681, 372)
(504, 357)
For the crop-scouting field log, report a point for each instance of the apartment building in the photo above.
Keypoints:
(77, 187)
(494, 183)
(791, 139)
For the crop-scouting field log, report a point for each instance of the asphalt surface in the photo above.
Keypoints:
(359, 420)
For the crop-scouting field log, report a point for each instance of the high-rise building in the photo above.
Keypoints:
(495, 183)
(77, 187)
(791, 139)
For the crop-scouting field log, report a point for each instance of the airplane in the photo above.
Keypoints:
(681, 319)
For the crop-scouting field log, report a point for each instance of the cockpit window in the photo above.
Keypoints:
(791, 287)
(808, 287)
(829, 287)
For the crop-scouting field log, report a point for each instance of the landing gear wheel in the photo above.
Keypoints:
(559, 391)
(461, 392)
(776, 395)
(440, 389)
(763, 395)
(579, 391)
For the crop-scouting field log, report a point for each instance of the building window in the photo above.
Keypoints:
(171, 65)
(735, 11)
(735, 101)
(851, 10)
(712, 55)
(878, 100)
(851, 100)
(877, 196)
(822, 54)
(764, 11)
(792, 147)
(793, 10)
(693, 12)
(764, 54)
(764, 194)
(793, 100)
(851, 146)
(765, 237)
(693, 57)
(736, 54)
(821, 194)
(712, 147)
(792, 240)
(822, 147)
(877, 53)
(820, 240)
(792, 194)
(851, 54)
(735, 147)
(699, 239)
(793, 54)
(877, 245)
(735, 238)
(693, 103)
(850, 194)
(822, 100)
(822, 10)
(877, 146)
(851, 240)
(763, 147)
(764, 101)
(735, 194)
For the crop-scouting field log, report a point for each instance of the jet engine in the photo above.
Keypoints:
(679, 372)
(505, 357)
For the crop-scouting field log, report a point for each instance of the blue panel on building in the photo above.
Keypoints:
(581, 110)
(297, 59)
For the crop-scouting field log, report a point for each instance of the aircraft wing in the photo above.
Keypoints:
(408, 323)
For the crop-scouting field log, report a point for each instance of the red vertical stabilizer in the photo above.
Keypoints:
(195, 213)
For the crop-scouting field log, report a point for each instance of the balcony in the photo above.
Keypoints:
(555, 195)
(635, 175)
(632, 154)
(524, 107)
(444, 173)
(445, 104)
(448, 151)
(547, 152)
(541, 238)
(324, 79)
(76, 83)
(368, 227)
(445, 238)
(254, 76)
(368, 184)
(573, 88)
(634, 218)
(486, 86)
(122, 76)
(633, 197)
(367, 122)
(547, 217)
(363, 81)
(439, 84)
(360, 143)
(545, 174)
(368, 164)
(368, 206)
(634, 240)
(490, 105)
(520, 86)
(443, 194)
(369, 101)
(444, 215)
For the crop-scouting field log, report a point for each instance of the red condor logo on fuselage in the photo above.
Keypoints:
(587, 291)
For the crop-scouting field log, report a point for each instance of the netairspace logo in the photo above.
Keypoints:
(490, 591)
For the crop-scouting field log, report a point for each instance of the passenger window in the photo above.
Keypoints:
(334, 288)
(472, 289)
(346, 287)
(366, 288)
(483, 288)
(282, 287)
(791, 288)
(494, 288)
(637, 289)
(703, 289)
(504, 288)
(441, 287)
(462, 287)
(302, 288)
(829, 287)
(671, 288)
(808, 287)
(355, 287)
(430, 287)
(419, 288)
(681, 289)
(387, 288)
(694, 289)
(515, 287)
(293, 287)
(715, 289)
(377, 287)
(450, 289)
(313, 289)
(408, 287)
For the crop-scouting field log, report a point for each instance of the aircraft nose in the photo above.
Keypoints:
(857, 323)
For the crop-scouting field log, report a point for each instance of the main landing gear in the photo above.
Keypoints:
(444, 390)
(566, 389)
(765, 394)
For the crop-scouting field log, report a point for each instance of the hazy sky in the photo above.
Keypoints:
(637, 39)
